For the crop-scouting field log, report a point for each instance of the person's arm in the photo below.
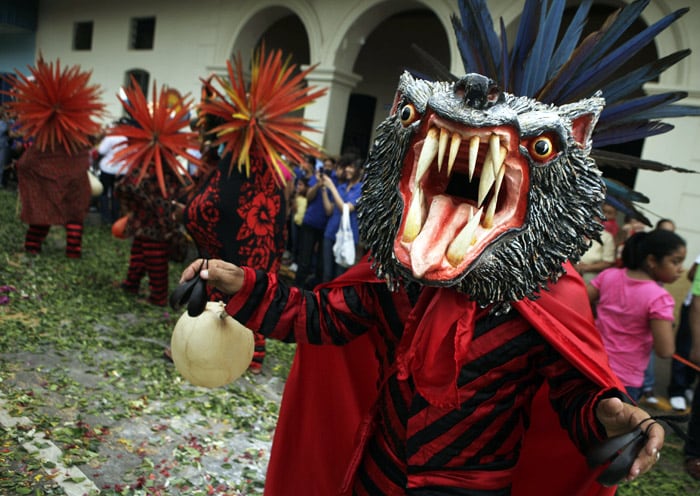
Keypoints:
(336, 198)
(598, 266)
(312, 191)
(593, 293)
(326, 193)
(262, 302)
(664, 337)
(592, 414)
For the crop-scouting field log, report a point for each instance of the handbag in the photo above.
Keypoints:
(96, 187)
(344, 246)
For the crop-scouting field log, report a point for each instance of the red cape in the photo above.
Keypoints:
(330, 389)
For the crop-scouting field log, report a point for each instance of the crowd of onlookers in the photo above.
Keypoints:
(320, 189)
(11, 147)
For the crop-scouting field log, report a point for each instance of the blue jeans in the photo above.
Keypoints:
(634, 392)
(331, 270)
(649, 374)
(309, 256)
(692, 445)
(682, 376)
(108, 202)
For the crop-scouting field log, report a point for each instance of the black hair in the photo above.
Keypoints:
(657, 243)
(349, 158)
(662, 221)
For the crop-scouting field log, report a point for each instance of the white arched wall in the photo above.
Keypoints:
(253, 18)
(674, 195)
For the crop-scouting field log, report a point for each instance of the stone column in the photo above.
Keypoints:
(327, 114)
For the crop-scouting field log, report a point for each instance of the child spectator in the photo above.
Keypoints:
(634, 313)
(298, 211)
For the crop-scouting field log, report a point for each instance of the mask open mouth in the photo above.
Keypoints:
(462, 188)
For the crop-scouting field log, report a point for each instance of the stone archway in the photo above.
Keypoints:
(278, 28)
(387, 52)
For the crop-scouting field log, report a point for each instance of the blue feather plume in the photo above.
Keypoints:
(564, 71)
(558, 72)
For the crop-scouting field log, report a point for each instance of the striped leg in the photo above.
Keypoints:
(74, 237)
(137, 267)
(36, 234)
(258, 353)
(156, 259)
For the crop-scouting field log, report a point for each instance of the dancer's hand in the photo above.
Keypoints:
(619, 418)
(224, 276)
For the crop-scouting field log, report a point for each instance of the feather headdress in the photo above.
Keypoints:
(56, 107)
(257, 118)
(155, 134)
(558, 70)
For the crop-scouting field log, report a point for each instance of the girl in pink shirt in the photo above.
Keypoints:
(634, 313)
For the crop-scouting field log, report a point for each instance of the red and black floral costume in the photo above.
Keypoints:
(240, 219)
(413, 438)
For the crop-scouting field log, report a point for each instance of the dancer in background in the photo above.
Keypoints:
(57, 109)
(239, 211)
(154, 180)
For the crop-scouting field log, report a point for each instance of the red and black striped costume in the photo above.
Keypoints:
(455, 387)
(239, 218)
(153, 227)
(54, 190)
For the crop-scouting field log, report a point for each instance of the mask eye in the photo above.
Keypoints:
(542, 148)
(408, 114)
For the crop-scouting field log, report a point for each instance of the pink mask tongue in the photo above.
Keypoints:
(440, 228)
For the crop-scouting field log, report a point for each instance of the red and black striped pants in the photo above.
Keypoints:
(149, 257)
(36, 234)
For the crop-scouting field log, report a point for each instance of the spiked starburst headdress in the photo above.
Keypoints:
(155, 135)
(257, 118)
(56, 107)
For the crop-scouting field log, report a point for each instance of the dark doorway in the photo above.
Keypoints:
(358, 123)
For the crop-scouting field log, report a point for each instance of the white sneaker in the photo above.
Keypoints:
(651, 400)
(678, 403)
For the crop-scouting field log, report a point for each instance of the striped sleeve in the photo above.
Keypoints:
(574, 397)
(287, 313)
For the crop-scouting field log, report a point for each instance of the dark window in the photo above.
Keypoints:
(82, 35)
(143, 30)
(141, 77)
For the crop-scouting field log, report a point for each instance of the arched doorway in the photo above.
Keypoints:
(385, 54)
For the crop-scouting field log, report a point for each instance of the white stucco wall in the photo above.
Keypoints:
(674, 195)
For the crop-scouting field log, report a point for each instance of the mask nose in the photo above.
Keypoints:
(478, 91)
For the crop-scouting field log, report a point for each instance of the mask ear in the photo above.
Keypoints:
(583, 115)
(397, 98)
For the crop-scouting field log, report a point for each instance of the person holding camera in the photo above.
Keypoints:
(309, 267)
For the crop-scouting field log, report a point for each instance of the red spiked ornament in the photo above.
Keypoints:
(156, 137)
(56, 107)
(257, 118)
